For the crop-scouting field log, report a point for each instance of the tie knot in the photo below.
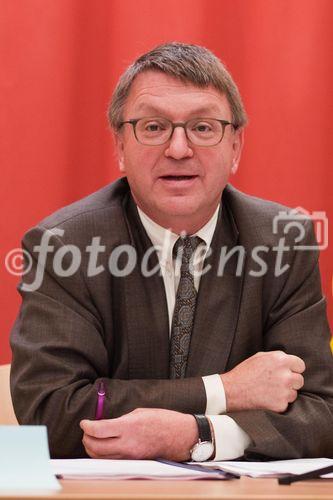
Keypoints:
(187, 246)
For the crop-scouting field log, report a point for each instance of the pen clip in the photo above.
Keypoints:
(100, 401)
(101, 389)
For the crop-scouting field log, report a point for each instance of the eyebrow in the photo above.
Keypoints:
(200, 111)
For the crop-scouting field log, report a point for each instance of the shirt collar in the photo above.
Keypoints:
(163, 239)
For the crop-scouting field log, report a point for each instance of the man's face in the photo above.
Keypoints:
(177, 184)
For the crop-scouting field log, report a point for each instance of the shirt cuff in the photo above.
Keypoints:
(215, 394)
(230, 439)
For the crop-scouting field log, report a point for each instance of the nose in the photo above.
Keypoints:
(178, 147)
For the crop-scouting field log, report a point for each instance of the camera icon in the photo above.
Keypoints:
(295, 219)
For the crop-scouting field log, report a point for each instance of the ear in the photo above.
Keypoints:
(237, 146)
(120, 151)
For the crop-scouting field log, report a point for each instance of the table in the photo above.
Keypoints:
(237, 489)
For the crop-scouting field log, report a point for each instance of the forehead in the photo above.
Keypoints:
(154, 91)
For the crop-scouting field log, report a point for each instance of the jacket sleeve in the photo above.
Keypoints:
(60, 357)
(297, 324)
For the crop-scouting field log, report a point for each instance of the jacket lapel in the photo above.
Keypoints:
(218, 303)
(146, 309)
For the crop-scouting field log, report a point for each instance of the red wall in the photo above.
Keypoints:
(59, 61)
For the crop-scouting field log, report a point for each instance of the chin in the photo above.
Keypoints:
(178, 208)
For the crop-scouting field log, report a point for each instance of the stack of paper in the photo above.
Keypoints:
(151, 469)
(273, 469)
(128, 469)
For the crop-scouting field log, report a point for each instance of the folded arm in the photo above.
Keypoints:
(60, 357)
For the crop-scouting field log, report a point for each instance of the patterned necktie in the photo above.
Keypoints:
(183, 316)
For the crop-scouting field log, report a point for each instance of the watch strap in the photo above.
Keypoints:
(204, 428)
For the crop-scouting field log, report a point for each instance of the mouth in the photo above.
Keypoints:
(178, 178)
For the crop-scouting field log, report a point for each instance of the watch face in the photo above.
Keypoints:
(202, 451)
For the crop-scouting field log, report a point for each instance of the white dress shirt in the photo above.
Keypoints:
(230, 439)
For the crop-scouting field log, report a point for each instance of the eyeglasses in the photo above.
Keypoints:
(154, 131)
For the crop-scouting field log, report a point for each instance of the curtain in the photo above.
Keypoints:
(59, 61)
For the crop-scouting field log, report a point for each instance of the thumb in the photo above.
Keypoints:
(100, 428)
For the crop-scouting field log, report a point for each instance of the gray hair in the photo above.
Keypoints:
(188, 63)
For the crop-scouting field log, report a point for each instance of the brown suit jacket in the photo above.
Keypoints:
(75, 331)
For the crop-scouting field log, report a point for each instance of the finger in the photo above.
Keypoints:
(100, 447)
(101, 428)
(112, 448)
(297, 381)
(292, 396)
(111, 456)
(91, 453)
(259, 353)
(106, 457)
(296, 364)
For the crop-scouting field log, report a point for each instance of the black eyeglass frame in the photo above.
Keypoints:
(134, 121)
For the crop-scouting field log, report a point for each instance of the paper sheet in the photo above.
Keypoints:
(25, 459)
(124, 469)
(274, 468)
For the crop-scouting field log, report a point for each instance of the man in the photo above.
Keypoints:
(222, 319)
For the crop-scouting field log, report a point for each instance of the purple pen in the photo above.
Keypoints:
(100, 401)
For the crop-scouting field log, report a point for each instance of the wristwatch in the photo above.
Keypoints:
(204, 448)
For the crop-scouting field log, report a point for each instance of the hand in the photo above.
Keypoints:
(267, 380)
(144, 433)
